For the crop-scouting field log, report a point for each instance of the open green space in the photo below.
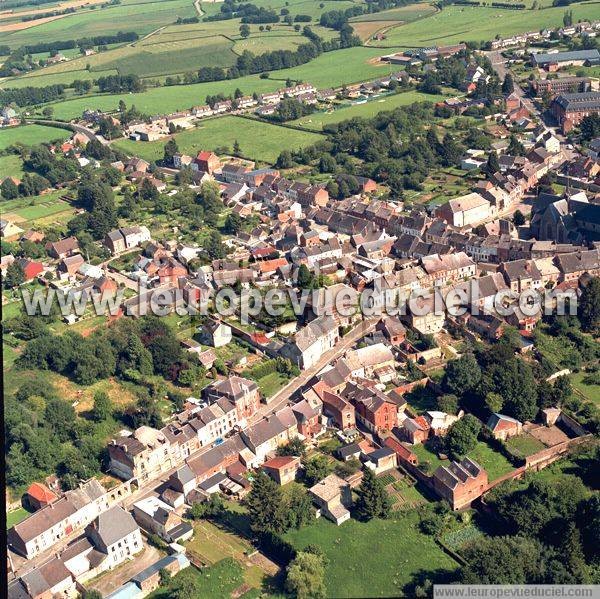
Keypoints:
(367, 110)
(15, 517)
(11, 166)
(37, 207)
(30, 135)
(272, 383)
(581, 381)
(525, 445)
(404, 14)
(373, 559)
(454, 24)
(493, 462)
(258, 140)
(214, 582)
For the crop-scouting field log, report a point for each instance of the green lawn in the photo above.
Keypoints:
(495, 463)
(492, 461)
(11, 166)
(214, 582)
(525, 445)
(591, 392)
(258, 140)
(367, 110)
(373, 559)
(30, 135)
(15, 517)
(271, 383)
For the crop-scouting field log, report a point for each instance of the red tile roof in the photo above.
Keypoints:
(41, 492)
(280, 462)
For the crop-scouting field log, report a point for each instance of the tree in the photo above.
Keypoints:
(92, 594)
(48, 112)
(372, 498)
(589, 306)
(265, 505)
(448, 403)
(295, 447)
(233, 223)
(285, 160)
(493, 166)
(15, 275)
(501, 560)
(244, 30)
(237, 150)
(462, 436)
(298, 508)
(170, 150)
(316, 469)
(518, 218)
(515, 147)
(305, 577)
(207, 509)
(508, 85)
(214, 246)
(165, 576)
(102, 409)
(494, 401)
(305, 277)
(462, 375)
(9, 189)
(452, 150)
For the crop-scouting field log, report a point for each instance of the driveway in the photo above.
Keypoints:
(112, 580)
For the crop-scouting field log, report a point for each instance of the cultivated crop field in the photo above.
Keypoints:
(30, 135)
(258, 140)
(130, 15)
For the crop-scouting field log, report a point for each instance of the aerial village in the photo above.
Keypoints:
(440, 409)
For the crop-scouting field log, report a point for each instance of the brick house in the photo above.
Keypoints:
(206, 162)
(503, 427)
(460, 483)
(282, 469)
(62, 248)
(243, 393)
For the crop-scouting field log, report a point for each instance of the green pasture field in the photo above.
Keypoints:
(30, 135)
(316, 121)
(454, 24)
(15, 517)
(11, 166)
(44, 77)
(142, 17)
(375, 558)
(404, 14)
(258, 140)
(176, 57)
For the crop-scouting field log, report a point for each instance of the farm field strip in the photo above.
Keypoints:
(30, 135)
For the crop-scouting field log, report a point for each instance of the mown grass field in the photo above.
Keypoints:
(15, 517)
(30, 135)
(11, 166)
(463, 23)
(316, 121)
(404, 14)
(373, 559)
(258, 140)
